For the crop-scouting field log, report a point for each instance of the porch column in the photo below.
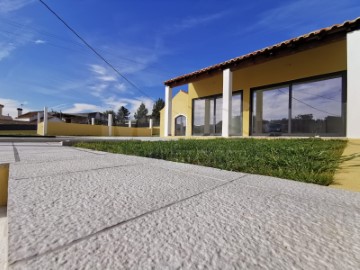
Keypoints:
(353, 85)
(227, 102)
(168, 101)
(45, 131)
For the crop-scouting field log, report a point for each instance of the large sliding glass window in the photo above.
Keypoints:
(236, 115)
(313, 107)
(207, 115)
(317, 107)
(218, 116)
(270, 111)
(198, 117)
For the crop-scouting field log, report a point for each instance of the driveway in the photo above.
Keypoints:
(72, 208)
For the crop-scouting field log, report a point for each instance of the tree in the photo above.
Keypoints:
(122, 115)
(141, 113)
(158, 106)
(107, 112)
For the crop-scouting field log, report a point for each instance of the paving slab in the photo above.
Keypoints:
(71, 208)
(47, 212)
(3, 238)
(229, 227)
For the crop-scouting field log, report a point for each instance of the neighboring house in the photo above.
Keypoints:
(98, 116)
(306, 86)
(78, 118)
(83, 118)
(71, 118)
(4, 117)
(8, 123)
(30, 116)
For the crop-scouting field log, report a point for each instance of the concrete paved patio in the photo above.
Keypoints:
(72, 208)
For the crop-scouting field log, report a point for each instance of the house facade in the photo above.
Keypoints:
(306, 86)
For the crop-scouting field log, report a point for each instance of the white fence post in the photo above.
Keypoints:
(150, 123)
(93, 121)
(38, 118)
(129, 123)
(110, 122)
(45, 131)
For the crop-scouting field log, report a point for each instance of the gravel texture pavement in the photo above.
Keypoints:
(73, 208)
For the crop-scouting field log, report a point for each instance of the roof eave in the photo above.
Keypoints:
(304, 42)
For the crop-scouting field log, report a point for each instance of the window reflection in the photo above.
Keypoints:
(270, 111)
(313, 107)
(218, 116)
(207, 114)
(236, 115)
(199, 117)
(317, 108)
(180, 125)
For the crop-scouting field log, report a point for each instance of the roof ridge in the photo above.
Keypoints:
(318, 32)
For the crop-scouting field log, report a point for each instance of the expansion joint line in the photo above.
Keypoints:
(37, 255)
(16, 153)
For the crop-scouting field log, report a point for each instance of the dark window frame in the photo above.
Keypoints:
(290, 83)
(213, 97)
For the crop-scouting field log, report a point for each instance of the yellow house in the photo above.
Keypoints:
(306, 86)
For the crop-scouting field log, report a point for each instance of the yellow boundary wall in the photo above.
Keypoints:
(4, 181)
(66, 129)
(17, 132)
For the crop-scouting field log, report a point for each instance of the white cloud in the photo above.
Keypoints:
(104, 79)
(39, 41)
(6, 49)
(98, 89)
(83, 107)
(7, 6)
(196, 21)
(107, 78)
(11, 105)
(17, 39)
(132, 105)
(112, 103)
(98, 69)
(120, 87)
(297, 17)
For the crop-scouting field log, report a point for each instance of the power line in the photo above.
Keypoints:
(93, 50)
(64, 39)
(306, 104)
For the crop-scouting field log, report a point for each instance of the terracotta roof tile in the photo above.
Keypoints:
(345, 27)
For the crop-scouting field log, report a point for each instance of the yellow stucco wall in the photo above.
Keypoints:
(132, 132)
(318, 61)
(40, 128)
(180, 106)
(18, 132)
(162, 119)
(66, 129)
(155, 131)
(4, 181)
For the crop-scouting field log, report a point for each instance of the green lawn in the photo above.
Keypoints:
(306, 160)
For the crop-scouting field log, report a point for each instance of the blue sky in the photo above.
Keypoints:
(43, 64)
